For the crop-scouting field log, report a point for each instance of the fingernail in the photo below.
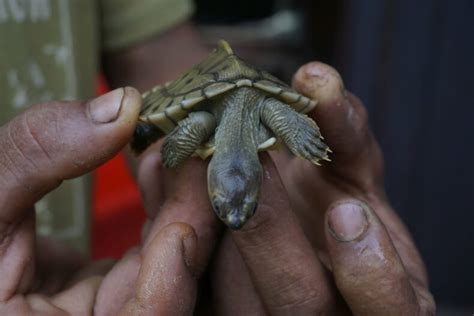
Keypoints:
(347, 221)
(106, 108)
(190, 249)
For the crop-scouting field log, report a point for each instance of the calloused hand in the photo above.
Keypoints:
(61, 140)
(324, 240)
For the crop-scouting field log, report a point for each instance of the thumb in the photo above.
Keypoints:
(367, 268)
(343, 121)
(166, 283)
(55, 141)
(41, 147)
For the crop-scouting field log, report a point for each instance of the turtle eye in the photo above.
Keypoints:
(254, 208)
(215, 204)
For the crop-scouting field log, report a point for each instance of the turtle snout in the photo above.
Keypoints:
(234, 221)
(234, 216)
(237, 217)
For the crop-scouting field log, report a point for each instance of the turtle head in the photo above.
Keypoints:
(234, 194)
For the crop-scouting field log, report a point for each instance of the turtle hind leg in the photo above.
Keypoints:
(183, 141)
(143, 136)
(299, 132)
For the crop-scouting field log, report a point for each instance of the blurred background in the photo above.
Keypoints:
(412, 65)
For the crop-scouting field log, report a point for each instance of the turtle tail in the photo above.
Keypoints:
(143, 136)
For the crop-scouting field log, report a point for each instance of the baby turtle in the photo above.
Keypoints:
(228, 109)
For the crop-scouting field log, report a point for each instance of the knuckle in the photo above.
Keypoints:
(34, 140)
(16, 161)
(301, 295)
(24, 147)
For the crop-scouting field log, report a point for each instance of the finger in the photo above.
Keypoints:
(40, 148)
(55, 263)
(117, 288)
(60, 140)
(166, 283)
(76, 300)
(184, 198)
(149, 174)
(367, 268)
(344, 124)
(229, 272)
(17, 264)
(281, 262)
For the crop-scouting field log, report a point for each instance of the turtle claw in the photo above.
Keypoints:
(316, 162)
(299, 132)
(306, 147)
(306, 141)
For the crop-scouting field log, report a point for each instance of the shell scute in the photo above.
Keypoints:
(167, 104)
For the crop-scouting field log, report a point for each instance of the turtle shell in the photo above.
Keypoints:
(165, 105)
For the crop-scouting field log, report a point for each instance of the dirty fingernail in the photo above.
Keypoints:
(106, 108)
(189, 249)
(347, 221)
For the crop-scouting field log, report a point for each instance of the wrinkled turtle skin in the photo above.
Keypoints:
(225, 108)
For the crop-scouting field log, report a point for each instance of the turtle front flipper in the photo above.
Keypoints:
(299, 132)
(183, 141)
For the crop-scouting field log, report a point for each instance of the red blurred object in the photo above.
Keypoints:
(117, 212)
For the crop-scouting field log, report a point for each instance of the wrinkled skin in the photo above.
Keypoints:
(60, 140)
(324, 240)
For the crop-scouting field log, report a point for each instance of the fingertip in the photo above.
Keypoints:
(112, 119)
(178, 235)
(166, 278)
(186, 235)
(54, 141)
(341, 116)
(320, 82)
(351, 226)
(131, 106)
(129, 112)
(119, 105)
(363, 258)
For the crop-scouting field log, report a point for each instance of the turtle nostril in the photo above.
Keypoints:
(234, 222)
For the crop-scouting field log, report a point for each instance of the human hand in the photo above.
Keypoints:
(343, 249)
(61, 140)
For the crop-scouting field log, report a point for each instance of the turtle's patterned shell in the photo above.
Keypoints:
(164, 106)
